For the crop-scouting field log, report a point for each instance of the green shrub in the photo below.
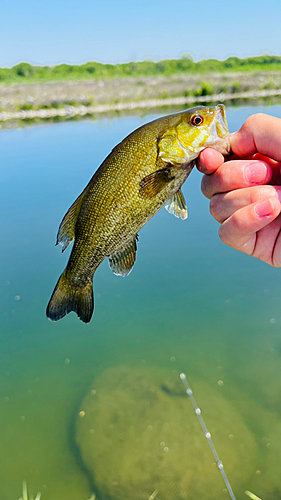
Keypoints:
(205, 88)
(24, 70)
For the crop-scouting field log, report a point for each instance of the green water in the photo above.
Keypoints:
(191, 304)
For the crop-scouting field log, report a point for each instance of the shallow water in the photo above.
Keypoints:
(191, 304)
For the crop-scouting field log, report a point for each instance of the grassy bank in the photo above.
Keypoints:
(26, 73)
(89, 93)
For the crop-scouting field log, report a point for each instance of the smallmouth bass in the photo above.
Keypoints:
(140, 175)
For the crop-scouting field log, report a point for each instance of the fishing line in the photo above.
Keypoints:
(207, 434)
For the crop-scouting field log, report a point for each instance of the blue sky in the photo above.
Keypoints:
(51, 32)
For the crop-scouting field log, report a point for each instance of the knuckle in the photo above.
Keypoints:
(237, 223)
(230, 229)
(215, 207)
(226, 177)
(254, 121)
(205, 186)
(262, 193)
(224, 234)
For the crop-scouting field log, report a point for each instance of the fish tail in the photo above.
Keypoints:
(67, 297)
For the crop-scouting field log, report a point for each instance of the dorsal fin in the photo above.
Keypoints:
(177, 206)
(66, 232)
(122, 261)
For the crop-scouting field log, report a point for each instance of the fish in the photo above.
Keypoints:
(144, 172)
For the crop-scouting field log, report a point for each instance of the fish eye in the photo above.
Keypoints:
(196, 120)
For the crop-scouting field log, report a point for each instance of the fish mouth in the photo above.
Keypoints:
(220, 121)
(219, 138)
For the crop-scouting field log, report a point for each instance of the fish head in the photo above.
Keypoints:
(201, 127)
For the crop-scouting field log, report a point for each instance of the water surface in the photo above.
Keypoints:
(191, 304)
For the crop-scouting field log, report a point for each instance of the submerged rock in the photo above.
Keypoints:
(140, 439)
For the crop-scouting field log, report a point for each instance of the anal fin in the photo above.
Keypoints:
(66, 232)
(121, 262)
(177, 206)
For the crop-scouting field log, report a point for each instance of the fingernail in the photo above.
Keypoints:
(264, 209)
(256, 172)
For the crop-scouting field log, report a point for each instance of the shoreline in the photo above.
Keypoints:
(30, 103)
(69, 111)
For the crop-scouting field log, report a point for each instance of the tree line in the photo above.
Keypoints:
(26, 73)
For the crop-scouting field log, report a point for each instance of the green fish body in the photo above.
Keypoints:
(141, 174)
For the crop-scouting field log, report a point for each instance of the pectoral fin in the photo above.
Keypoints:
(177, 206)
(152, 184)
(121, 262)
(66, 232)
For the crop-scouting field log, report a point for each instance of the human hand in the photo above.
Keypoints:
(245, 192)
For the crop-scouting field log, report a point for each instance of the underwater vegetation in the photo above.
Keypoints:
(252, 495)
(38, 496)
(25, 494)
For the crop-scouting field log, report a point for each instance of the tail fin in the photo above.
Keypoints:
(67, 297)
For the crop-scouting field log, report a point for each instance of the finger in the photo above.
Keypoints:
(209, 160)
(276, 254)
(267, 246)
(239, 231)
(260, 133)
(275, 166)
(222, 206)
(236, 174)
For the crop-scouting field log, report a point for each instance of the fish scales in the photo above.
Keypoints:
(102, 213)
(141, 174)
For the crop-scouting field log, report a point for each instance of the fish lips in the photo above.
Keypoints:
(219, 138)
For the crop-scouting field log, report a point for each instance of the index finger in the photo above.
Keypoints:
(259, 134)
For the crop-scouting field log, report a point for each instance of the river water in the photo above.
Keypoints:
(191, 304)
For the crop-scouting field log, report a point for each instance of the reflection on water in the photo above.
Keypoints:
(191, 304)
